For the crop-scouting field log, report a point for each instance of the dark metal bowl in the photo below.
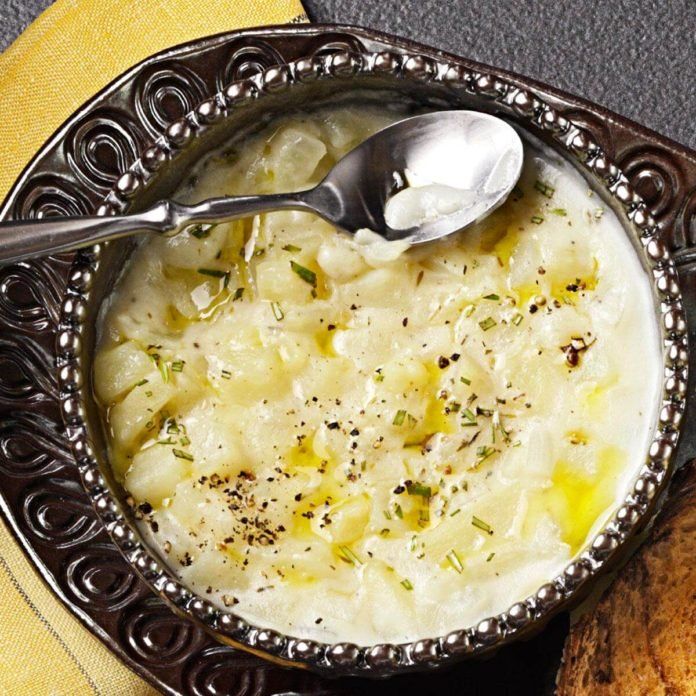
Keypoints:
(229, 86)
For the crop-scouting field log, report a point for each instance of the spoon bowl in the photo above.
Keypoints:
(440, 172)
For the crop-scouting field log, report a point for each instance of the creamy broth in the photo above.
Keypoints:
(345, 440)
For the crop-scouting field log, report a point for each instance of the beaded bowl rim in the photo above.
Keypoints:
(492, 632)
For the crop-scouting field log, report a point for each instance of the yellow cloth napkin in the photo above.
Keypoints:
(69, 53)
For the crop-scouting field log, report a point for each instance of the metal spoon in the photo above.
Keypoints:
(447, 151)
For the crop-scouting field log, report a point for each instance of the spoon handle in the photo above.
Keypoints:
(23, 239)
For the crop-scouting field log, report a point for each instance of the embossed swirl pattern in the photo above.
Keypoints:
(56, 511)
(97, 578)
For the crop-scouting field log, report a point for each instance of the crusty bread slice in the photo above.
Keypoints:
(640, 640)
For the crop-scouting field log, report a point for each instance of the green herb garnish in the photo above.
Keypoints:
(544, 189)
(304, 273)
(238, 294)
(491, 555)
(537, 219)
(492, 296)
(419, 489)
(399, 417)
(562, 212)
(464, 380)
(178, 365)
(480, 524)
(406, 584)
(141, 382)
(277, 311)
(291, 247)
(455, 561)
(517, 319)
(487, 323)
(182, 455)
(469, 417)
(398, 511)
(484, 452)
(346, 554)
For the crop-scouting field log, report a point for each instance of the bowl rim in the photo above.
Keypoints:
(490, 633)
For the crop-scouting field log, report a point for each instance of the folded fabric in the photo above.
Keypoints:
(69, 53)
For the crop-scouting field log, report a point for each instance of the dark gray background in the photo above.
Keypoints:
(637, 57)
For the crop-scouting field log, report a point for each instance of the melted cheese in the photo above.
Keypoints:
(348, 440)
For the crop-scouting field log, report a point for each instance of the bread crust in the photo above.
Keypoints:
(640, 640)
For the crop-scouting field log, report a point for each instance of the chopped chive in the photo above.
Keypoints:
(537, 219)
(399, 417)
(291, 247)
(454, 406)
(185, 442)
(226, 374)
(544, 189)
(455, 561)
(464, 380)
(406, 584)
(141, 382)
(168, 441)
(346, 554)
(469, 310)
(164, 371)
(423, 517)
(387, 514)
(484, 452)
(517, 319)
(419, 489)
(492, 296)
(411, 420)
(384, 532)
(304, 273)
(277, 311)
(398, 511)
(148, 394)
(487, 323)
(562, 212)
(469, 416)
(213, 272)
(200, 231)
(182, 455)
(480, 524)
(238, 294)
(178, 365)
(486, 412)
(172, 428)
(491, 555)
(456, 512)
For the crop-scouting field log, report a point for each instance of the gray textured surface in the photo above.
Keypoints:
(637, 57)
